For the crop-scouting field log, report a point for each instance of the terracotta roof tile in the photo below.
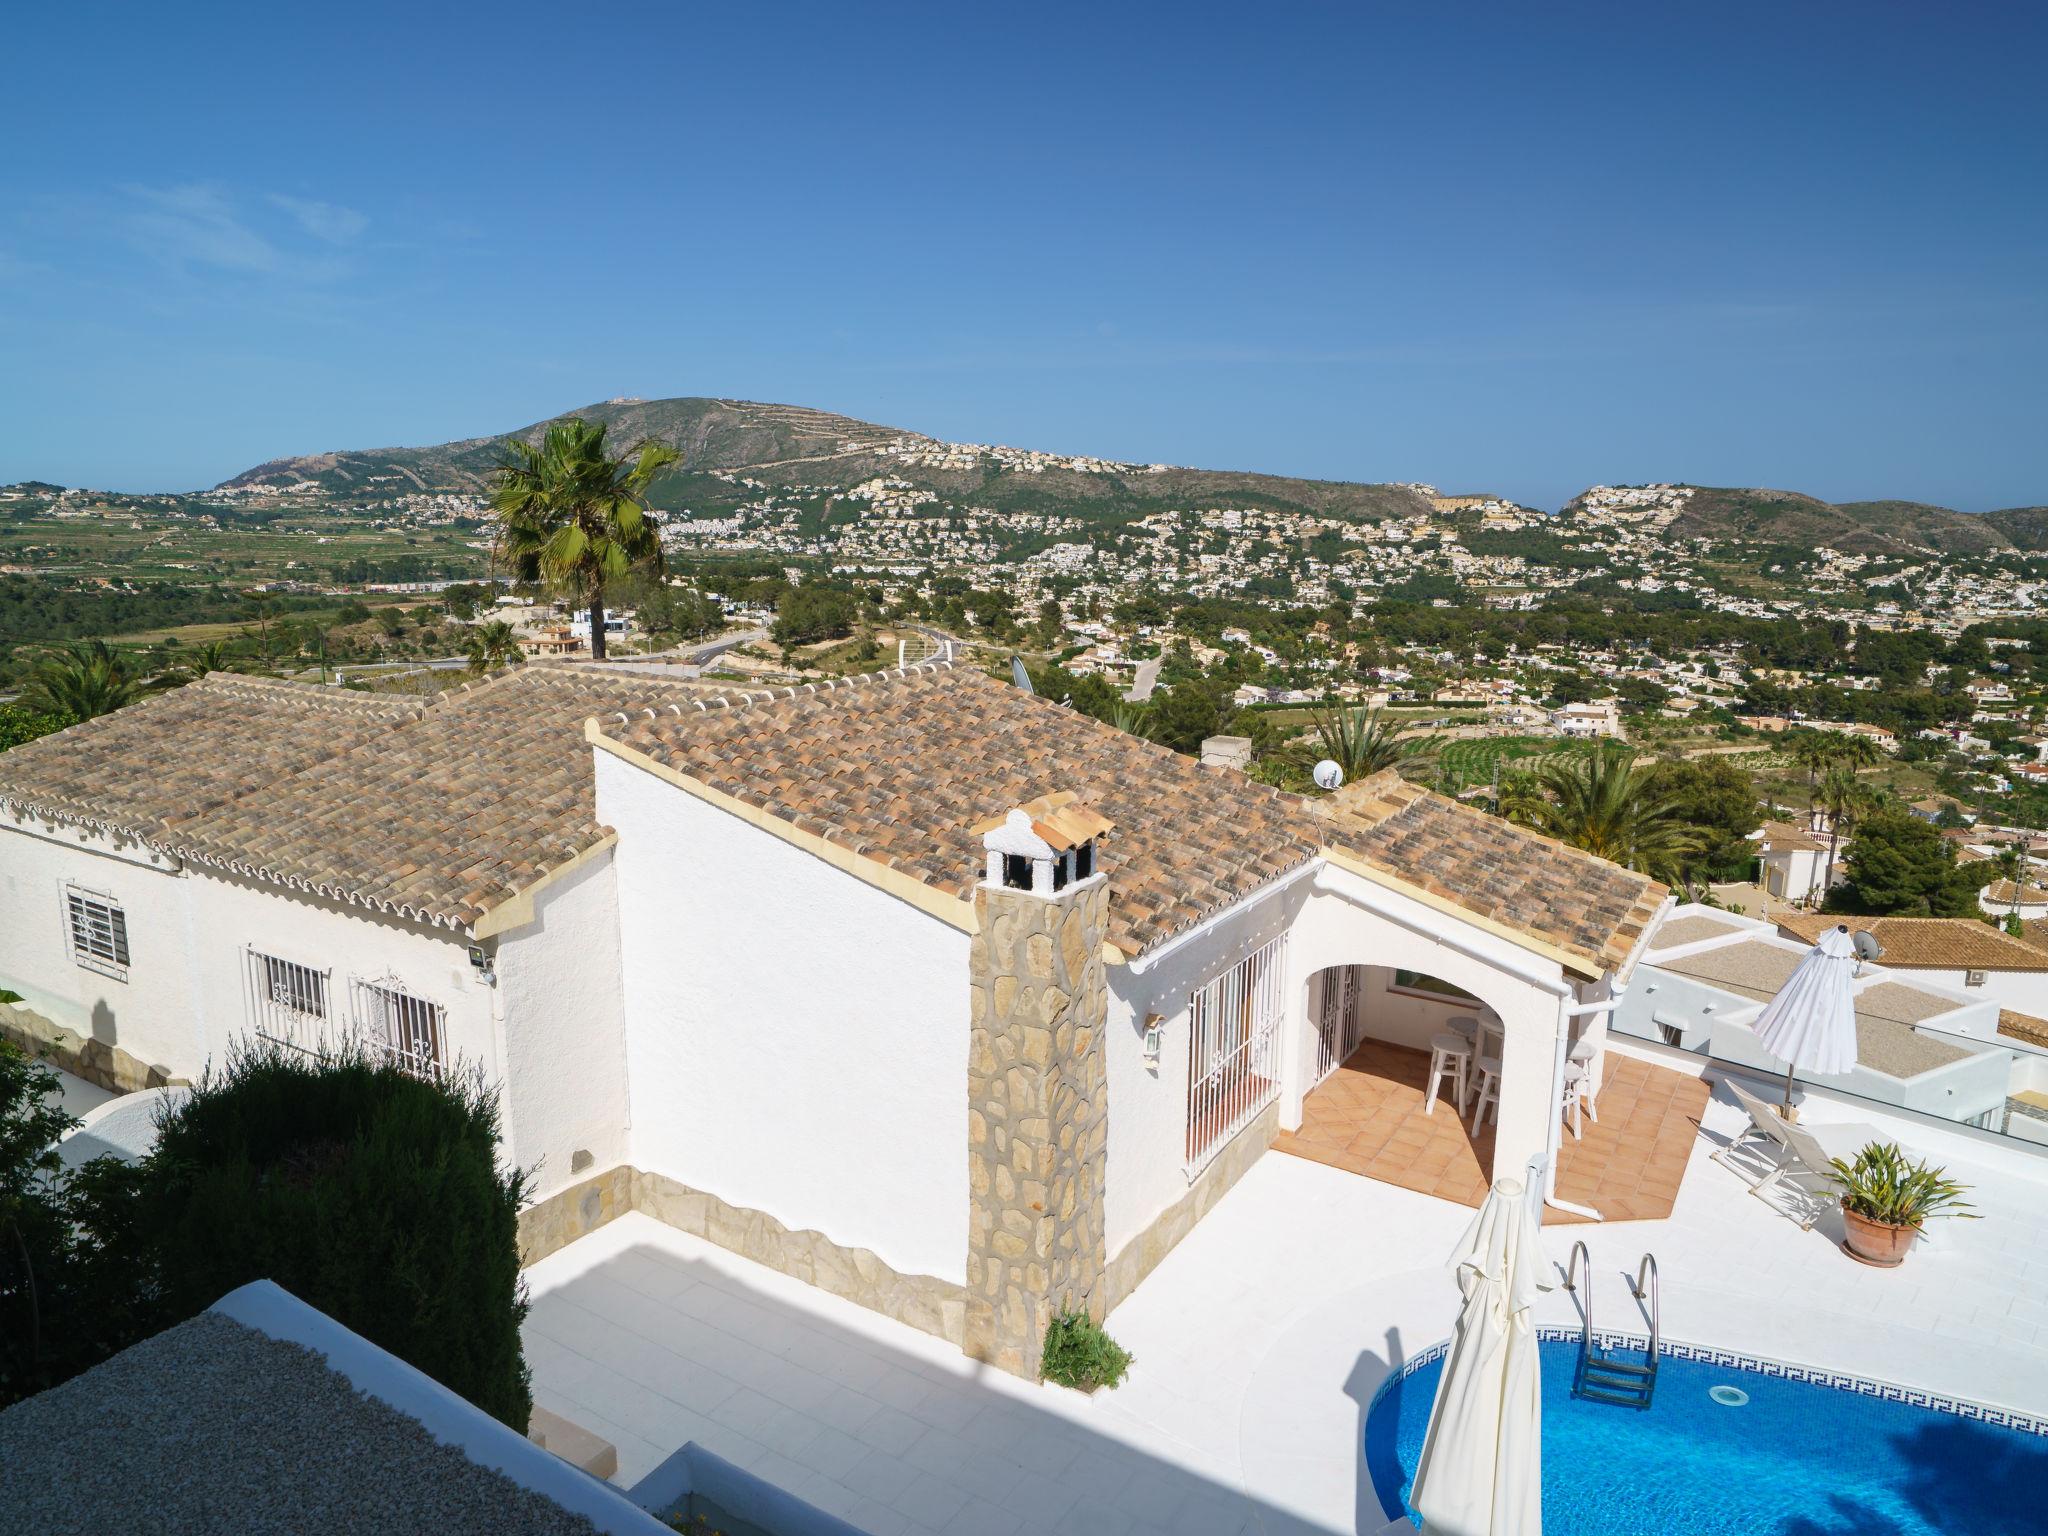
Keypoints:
(1927, 943)
(907, 768)
(191, 749)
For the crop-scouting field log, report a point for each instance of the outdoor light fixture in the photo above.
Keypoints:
(1155, 1028)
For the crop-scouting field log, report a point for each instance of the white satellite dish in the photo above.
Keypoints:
(1328, 775)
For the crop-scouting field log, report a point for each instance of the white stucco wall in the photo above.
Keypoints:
(562, 1011)
(1148, 1105)
(187, 993)
(231, 915)
(152, 1013)
(796, 1039)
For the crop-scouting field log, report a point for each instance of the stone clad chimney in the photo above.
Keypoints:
(1037, 1093)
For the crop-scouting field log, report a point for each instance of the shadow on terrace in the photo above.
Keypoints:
(652, 1348)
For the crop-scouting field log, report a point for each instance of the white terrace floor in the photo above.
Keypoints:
(1258, 1343)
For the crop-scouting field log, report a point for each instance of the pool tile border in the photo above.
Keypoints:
(1763, 1365)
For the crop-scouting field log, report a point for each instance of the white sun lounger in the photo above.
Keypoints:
(1797, 1151)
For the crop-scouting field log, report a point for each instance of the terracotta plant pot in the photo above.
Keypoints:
(1876, 1242)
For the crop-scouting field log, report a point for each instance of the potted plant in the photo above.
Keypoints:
(1886, 1199)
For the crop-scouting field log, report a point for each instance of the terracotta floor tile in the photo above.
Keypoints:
(1367, 1119)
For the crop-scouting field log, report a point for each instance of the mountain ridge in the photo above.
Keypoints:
(783, 445)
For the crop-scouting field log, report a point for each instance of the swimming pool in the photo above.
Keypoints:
(1800, 1457)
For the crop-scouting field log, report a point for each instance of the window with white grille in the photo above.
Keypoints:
(99, 931)
(1234, 1050)
(407, 1028)
(287, 1000)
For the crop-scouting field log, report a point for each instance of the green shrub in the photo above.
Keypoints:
(1080, 1355)
(366, 1192)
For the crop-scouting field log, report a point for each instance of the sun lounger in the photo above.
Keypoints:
(1796, 1152)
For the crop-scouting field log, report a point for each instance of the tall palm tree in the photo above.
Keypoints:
(493, 645)
(2011, 864)
(1361, 741)
(1846, 799)
(1607, 804)
(82, 682)
(573, 514)
(1812, 751)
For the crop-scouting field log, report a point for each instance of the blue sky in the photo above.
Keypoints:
(1514, 248)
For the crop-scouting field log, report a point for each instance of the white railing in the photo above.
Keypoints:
(1339, 1030)
(1234, 1050)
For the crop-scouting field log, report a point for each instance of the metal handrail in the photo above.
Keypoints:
(1648, 1268)
(1571, 1283)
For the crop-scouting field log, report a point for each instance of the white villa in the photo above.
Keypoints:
(854, 1031)
(920, 987)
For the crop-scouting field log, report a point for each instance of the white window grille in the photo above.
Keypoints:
(1233, 1050)
(287, 1000)
(1338, 1027)
(99, 931)
(407, 1028)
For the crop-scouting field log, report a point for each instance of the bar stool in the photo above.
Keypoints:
(1450, 1055)
(1467, 1026)
(1493, 1044)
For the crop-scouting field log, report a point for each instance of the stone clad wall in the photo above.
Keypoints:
(1038, 1119)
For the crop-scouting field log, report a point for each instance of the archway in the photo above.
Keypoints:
(1368, 1108)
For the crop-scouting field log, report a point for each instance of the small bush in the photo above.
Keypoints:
(1080, 1355)
(368, 1193)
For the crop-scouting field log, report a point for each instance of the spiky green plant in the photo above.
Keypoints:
(573, 514)
(1362, 741)
(1884, 1185)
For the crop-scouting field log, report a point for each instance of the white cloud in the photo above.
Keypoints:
(323, 221)
(196, 224)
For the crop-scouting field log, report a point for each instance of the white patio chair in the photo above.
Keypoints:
(1796, 1152)
(1578, 1097)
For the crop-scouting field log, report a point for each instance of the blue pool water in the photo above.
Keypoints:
(1798, 1459)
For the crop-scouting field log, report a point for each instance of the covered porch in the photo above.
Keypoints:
(1368, 1117)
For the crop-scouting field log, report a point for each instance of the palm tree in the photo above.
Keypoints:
(1131, 719)
(493, 645)
(1845, 798)
(1608, 805)
(1362, 742)
(574, 515)
(1812, 751)
(82, 682)
(2011, 864)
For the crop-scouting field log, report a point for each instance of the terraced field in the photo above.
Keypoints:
(1472, 762)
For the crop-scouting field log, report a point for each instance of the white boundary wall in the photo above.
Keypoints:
(796, 1039)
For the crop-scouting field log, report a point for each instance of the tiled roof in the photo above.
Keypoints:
(2023, 1026)
(478, 795)
(1927, 943)
(904, 768)
(191, 749)
(1586, 906)
(1786, 836)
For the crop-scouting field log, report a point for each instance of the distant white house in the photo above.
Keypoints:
(1601, 717)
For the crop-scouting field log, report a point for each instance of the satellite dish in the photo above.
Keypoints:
(1019, 676)
(1328, 775)
(1867, 947)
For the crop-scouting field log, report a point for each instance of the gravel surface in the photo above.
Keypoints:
(211, 1426)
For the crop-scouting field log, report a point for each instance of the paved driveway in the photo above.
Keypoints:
(1259, 1341)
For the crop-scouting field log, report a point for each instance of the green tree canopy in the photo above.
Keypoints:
(1902, 866)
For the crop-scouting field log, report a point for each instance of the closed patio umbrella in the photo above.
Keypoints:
(1811, 1024)
(1481, 1470)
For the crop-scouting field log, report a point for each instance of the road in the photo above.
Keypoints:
(1143, 683)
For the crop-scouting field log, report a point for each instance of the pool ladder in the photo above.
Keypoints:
(1606, 1378)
